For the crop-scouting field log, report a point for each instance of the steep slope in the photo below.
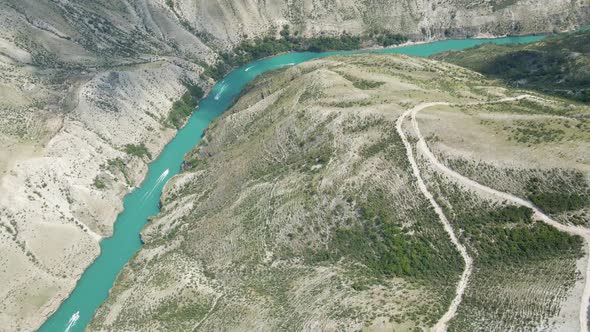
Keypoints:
(300, 210)
(559, 65)
(83, 84)
(80, 82)
(416, 18)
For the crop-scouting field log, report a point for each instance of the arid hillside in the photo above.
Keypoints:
(90, 90)
(315, 207)
(416, 18)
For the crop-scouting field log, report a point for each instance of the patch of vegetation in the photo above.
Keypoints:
(175, 315)
(381, 244)
(99, 183)
(194, 163)
(217, 71)
(386, 144)
(312, 92)
(386, 38)
(506, 233)
(559, 65)
(536, 133)
(524, 244)
(119, 164)
(319, 156)
(559, 202)
(514, 258)
(116, 162)
(138, 150)
(553, 190)
(261, 47)
(361, 83)
(366, 85)
(390, 146)
(348, 104)
(556, 199)
(183, 108)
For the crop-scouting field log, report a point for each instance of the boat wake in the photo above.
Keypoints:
(160, 179)
(250, 67)
(72, 321)
(218, 95)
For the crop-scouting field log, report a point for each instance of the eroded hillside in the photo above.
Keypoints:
(81, 88)
(416, 18)
(301, 209)
(87, 98)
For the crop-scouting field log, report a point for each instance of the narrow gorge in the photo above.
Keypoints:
(92, 93)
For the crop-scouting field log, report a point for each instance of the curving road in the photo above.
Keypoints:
(441, 325)
(443, 321)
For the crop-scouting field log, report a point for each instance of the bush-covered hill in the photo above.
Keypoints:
(559, 65)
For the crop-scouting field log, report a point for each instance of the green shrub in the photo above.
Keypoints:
(99, 183)
(183, 108)
(194, 163)
(506, 234)
(366, 85)
(524, 243)
(138, 150)
(262, 47)
(553, 202)
(379, 243)
(387, 39)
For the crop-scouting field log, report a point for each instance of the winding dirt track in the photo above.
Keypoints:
(196, 327)
(441, 325)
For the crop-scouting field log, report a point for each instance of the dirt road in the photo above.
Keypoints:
(538, 214)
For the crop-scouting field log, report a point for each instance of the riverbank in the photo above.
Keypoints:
(55, 188)
(168, 163)
(528, 37)
(236, 222)
(112, 78)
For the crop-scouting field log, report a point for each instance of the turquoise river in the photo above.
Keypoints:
(92, 289)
